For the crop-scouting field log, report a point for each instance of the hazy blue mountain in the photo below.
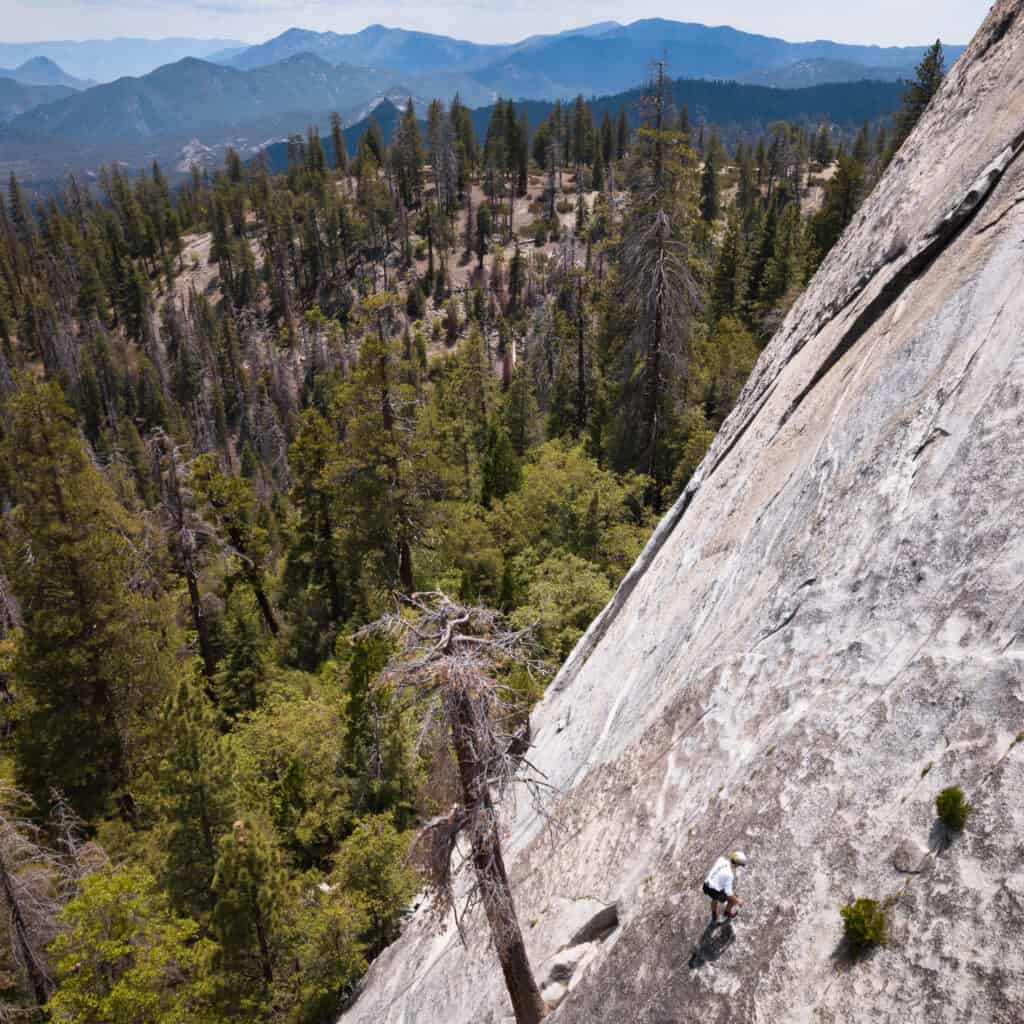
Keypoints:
(17, 98)
(43, 71)
(226, 56)
(607, 57)
(376, 46)
(616, 59)
(597, 29)
(192, 110)
(397, 49)
(197, 98)
(107, 59)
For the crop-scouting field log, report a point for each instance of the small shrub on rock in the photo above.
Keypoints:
(864, 925)
(952, 808)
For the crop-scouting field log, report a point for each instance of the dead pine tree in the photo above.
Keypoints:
(455, 656)
(30, 894)
(657, 283)
(185, 532)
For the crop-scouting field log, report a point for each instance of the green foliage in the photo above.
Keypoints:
(500, 471)
(253, 911)
(564, 595)
(287, 765)
(952, 808)
(330, 955)
(97, 648)
(377, 745)
(864, 925)
(240, 681)
(919, 92)
(125, 958)
(567, 502)
(191, 792)
(372, 863)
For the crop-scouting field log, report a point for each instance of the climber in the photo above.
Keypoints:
(719, 885)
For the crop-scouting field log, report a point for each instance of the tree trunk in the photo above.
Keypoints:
(253, 577)
(37, 979)
(265, 609)
(266, 963)
(581, 367)
(326, 543)
(199, 621)
(489, 865)
(405, 566)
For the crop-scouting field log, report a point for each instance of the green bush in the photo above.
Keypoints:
(864, 925)
(952, 808)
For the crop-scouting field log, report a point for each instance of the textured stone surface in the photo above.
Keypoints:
(911, 857)
(564, 964)
(835, 604)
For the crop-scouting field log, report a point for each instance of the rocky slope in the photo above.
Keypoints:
(825, 631)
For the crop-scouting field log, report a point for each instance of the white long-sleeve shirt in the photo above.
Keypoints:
(721, 876)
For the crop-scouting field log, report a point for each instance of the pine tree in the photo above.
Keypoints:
(500, 470)
(475, 717)
(408, 154)
(710, 202)
(728, 287)
(250, 917)
(377, 751)
(231, 503)
(597, 170)
(97, 649)
(658, 287)
(372, 863)
(929, 75)
(317, 589)
(621, 134)
(193, 798)
(843, 196)
(384, 465)
(338, 145)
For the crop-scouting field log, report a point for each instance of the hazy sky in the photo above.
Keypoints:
(856, 21)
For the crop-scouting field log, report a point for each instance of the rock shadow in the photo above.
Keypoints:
(714, 941)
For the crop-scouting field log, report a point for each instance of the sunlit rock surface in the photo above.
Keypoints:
(826, 631)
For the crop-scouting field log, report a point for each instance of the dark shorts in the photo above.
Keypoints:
(715, 894)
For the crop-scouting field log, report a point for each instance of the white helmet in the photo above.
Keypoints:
(739, 858)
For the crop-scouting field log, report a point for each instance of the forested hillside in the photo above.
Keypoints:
(242, 418)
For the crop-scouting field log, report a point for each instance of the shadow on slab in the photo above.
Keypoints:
(714, 941)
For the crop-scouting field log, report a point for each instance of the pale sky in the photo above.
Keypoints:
(886, 22)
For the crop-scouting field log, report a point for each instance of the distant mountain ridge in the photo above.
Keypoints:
(160, 115)
(606, 57)
(193, 97)
(105, 60)
(43, 71)
(395, 49)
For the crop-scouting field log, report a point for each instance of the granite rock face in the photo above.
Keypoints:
(825, 631)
